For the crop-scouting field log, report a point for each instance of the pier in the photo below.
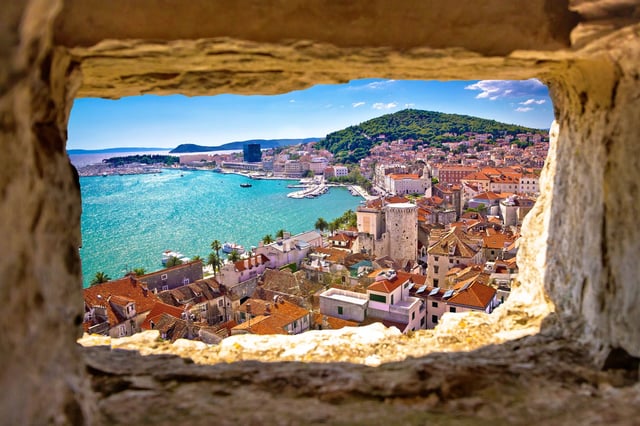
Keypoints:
(310, 192)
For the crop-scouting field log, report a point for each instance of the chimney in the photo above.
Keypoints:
(267, 309)
(325, 323)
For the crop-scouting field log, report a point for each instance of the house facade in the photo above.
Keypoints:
(391, 302)
(448, 249)
(173, 277)
(117, 308)
(344, 304)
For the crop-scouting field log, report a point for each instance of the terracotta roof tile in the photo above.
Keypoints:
(128, 288)
(159, 309)
(476, 296)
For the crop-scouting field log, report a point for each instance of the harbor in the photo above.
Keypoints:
(310, 191)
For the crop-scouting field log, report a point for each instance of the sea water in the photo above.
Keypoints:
(128, 221)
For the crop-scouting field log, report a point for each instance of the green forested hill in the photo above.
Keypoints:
(353, 143)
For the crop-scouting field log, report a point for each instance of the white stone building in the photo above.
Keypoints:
(389, 300)
(344, 304)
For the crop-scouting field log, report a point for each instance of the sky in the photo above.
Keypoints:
(168, 121)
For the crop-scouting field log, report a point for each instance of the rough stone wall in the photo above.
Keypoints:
(591, 272)
(42, 373)
(581, 244)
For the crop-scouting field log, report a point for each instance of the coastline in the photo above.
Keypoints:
(128, 221)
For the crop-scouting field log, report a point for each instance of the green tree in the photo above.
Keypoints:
(216, 246)
(334, 225)
(99, 278)
(267, 239)
(321, 224)
(139, 271)
(280, 233)
(234, 256)
(173, 261)
(196, 258)
(214, 260)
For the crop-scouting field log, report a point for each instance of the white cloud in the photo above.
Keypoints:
(533, 101)
(495, 89)
(357, 104)
(292, 101)
(381, 105)
(409, 105)
(523, 109)
(379, 84)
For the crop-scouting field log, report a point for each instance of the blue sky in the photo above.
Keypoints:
(167, 121)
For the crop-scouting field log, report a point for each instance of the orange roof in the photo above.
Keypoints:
(340, 237)
(127, 288)
(283, 309)
(401, 176)
(476, 176)
(261, 324)
(496, 241)
(388, 286)
(281, 314)
(252, 261)
(157, 311)
(333, 322)
(476, 296)
(396, 199)
(488, 195)
(453, 243)
(333, 255)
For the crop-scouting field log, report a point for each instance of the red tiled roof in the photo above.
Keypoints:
(496, 241)
(476, 296)
(128, 288)
(401, 176)
(252, 261)
(333, 322)
(284, 309)
(387, 286)
(476, 176)
(489, 195)
(158, 310)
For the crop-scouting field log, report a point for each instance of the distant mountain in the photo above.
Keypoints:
(109, 150)
(353, 143)
(264, 143)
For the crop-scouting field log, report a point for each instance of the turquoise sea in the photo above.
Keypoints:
(128, 221)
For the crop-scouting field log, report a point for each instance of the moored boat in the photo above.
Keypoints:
(230, 247)
(168, 254)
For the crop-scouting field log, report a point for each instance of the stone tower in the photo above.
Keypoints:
(402, 230)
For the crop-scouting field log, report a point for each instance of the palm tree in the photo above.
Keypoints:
(216, 246)
(234, 256)
(196, 258)
(321, 224)
(173, 261)
(99, 278)
(267, 239)
(334, 226)
(139, 271)
(280, 233)
(214, 260)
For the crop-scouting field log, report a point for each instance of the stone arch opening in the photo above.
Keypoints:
(586, 235)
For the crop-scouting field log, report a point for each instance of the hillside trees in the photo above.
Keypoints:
(353, 143)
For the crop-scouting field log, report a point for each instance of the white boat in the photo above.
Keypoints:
(168, 254)
(230, 247)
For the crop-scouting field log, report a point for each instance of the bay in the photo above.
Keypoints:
(128, 221)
